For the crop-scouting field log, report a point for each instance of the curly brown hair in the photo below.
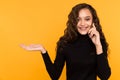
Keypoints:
(71, 32)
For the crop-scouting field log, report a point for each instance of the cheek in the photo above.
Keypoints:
(89, 24)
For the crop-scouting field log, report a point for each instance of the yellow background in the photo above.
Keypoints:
(43, 21)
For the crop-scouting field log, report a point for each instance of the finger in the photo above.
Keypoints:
(90, 30)
(22, 45)
(32, 45)
(91, 34)
(94, 26)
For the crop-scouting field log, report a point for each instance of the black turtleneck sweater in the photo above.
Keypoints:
(82, 62)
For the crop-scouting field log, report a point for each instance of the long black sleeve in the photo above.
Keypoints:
(103, 69)
(82, 62)
(54, 69)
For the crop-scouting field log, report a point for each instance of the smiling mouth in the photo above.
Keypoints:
(83, 28)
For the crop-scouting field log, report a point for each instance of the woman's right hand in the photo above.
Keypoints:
(34, 47)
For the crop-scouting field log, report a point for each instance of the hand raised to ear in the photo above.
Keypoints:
(94, 35)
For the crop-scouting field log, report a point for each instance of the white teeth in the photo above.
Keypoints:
(83, 28)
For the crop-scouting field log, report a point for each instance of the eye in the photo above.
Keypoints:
(87, 19)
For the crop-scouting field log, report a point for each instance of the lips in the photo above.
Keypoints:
(83, 28)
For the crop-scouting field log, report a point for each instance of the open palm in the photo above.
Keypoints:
(32, 47)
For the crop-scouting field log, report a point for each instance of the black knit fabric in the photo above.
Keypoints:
(82, 62)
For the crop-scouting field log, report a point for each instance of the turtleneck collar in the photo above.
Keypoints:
(83, 36)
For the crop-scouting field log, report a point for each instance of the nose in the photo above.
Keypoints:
(82, 22)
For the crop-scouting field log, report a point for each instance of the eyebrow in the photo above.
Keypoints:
(85, 17)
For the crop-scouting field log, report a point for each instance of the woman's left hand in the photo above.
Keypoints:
(94, 35)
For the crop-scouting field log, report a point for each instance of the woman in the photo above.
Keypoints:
(83, 47)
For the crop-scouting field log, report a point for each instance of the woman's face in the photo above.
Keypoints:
(84, 21)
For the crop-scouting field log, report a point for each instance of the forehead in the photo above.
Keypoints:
(84, 13)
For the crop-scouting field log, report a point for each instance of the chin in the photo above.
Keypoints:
(83, 33)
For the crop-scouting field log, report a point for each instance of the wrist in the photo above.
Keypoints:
(43, 51)
(99, 49)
